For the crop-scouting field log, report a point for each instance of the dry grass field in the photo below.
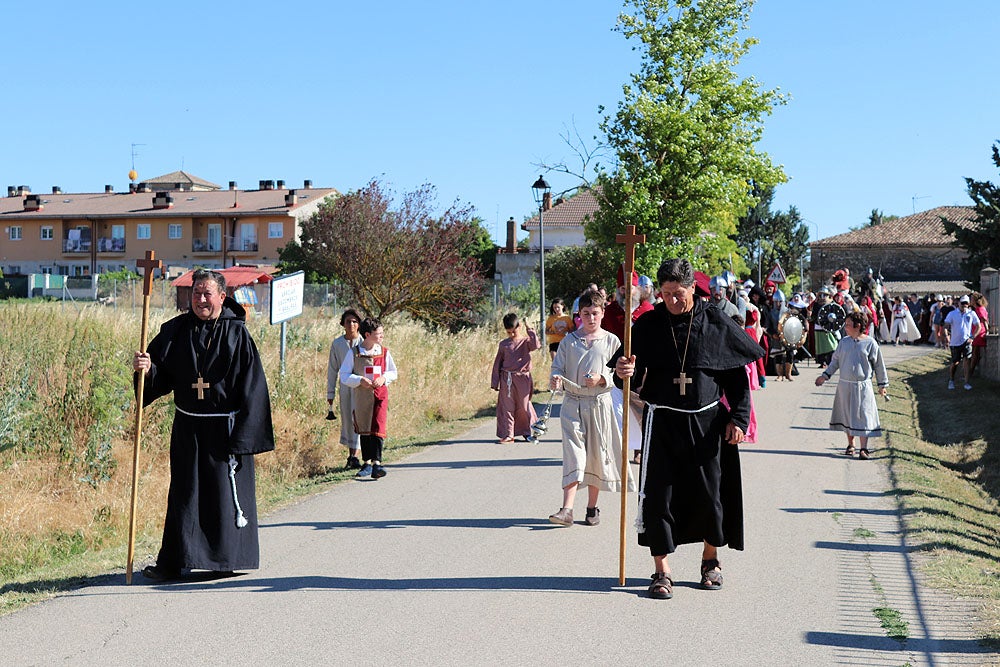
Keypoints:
(67, 413)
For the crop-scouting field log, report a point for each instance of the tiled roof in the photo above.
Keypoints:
(569, 213)
(920, 229)
(175, 177)
(236, 276)
(922, 287)
(201, 203)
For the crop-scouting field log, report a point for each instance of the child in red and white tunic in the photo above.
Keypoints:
(368, 371)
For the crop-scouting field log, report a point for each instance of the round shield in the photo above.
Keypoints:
(792, 331)
(832, 316)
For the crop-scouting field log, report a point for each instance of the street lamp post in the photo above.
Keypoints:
(540, 189)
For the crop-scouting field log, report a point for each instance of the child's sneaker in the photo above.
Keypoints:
(378, 472)
(366, 471)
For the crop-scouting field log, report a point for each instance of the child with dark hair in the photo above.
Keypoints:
(512, 379)
(368, 371)
(859, 359)
(341, 349)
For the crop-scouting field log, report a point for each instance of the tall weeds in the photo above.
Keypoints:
(67, 412)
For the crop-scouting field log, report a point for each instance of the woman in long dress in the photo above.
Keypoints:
(859, 358)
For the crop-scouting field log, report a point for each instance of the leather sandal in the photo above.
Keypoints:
(662, 586)
(849, 451)
(863, 454)
(711, 575)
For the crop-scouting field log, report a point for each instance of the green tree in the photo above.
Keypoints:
(766, 236)
(568, 270)
(982, 240)
(685, 134)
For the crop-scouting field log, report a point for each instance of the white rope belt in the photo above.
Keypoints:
(241, 520)
(647, 434)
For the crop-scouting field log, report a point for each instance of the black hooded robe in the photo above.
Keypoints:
(690, 484)
(200, 529)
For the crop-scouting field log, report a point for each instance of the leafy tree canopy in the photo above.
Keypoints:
(685, 134)
(981, 241)
(765, 236)
(399, 259)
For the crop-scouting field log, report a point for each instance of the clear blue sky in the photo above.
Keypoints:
(893, 103)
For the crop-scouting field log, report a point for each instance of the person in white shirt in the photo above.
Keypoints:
(963, 325)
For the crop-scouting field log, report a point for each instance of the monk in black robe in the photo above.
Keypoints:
(207, 358)
(686, 355)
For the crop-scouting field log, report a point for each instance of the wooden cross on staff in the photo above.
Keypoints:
(147, 266)
(631, 240)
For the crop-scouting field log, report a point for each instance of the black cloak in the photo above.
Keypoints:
(200, 530)
(690, 484)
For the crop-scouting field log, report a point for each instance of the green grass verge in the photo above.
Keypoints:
(944, 464)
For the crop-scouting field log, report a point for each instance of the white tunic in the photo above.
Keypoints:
(592, 441)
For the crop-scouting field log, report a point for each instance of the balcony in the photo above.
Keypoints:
(111, 245)
(241, 245)
(76, 246)
(206, 245)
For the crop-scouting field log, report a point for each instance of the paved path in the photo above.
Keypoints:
(450, 561)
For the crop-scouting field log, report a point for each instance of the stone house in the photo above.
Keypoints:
(913, 253)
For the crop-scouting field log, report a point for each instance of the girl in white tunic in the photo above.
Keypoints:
(858, 357)
(591, 439)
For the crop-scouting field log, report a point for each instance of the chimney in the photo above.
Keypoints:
(511, 236)
(56, 190)
(162, 200)
(11, 191)
(32, 203)
(23, 190)
(232, 185)
(307, 184)
(108, 189)
(144, 187)
(291, 198)
(261, 185)
(547, 201)
(132, 187)
(281, 185)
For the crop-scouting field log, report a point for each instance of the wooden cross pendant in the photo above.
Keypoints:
(683, 381)
(201, 386)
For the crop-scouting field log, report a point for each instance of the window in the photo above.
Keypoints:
(14, 269)
(142, 232)
(15, 233)
(175, 231)
(275, 230)
(47, 233)
(248, 237)
(47, 269)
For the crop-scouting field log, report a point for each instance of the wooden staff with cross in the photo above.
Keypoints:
(147, 266)
(631, 240)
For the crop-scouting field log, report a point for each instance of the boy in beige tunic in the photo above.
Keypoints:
(591, 439)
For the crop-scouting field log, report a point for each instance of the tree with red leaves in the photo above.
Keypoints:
(403, 259)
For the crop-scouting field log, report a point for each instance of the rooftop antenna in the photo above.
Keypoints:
(133, 174)
(914, 199)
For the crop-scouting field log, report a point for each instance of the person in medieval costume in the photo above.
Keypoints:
(591, 436)
(368, 371)
(859, 359)
(511, 379)
(689, 355)
(207, 358)
(340, 349)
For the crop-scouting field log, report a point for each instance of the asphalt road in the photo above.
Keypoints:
(450, 560)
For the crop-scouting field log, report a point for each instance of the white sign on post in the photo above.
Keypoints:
(286, 296)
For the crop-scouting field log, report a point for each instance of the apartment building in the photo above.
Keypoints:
(186, 220)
